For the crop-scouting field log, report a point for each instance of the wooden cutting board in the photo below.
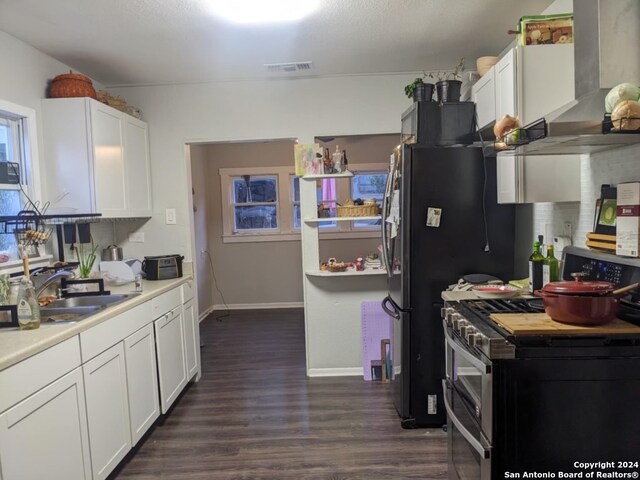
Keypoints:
(542, 324)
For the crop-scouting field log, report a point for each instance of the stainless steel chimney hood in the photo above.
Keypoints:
(607, 39)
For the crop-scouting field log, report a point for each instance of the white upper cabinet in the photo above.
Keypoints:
(484, 95)
(545, 80)
(96, 159)
(505, 83)
(528, 82)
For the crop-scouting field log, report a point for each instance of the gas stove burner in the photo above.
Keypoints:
(508, 305)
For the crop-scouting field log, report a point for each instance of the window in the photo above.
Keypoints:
(14, 143)
(263, 203)
(368, 185)
(326, 196)
(255, 203)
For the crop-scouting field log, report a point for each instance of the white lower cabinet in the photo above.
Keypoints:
(105, 379)
(172, 373)
(45, 435)
(142, 381)
(191, 339)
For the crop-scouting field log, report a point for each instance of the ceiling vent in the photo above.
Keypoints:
(290, 67)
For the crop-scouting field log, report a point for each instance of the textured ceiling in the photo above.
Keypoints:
(125, 42)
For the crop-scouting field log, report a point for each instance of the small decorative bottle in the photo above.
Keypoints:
(28, 307)
(337, 160)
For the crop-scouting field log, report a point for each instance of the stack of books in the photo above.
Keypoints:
(372, 263)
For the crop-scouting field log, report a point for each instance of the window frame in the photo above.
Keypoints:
(287, 231)
(30, 173)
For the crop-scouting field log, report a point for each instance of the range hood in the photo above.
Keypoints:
(607, 35)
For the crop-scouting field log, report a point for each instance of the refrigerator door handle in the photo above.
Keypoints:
(392, 312)
(385, 238)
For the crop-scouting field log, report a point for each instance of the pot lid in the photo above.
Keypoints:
(579, 286)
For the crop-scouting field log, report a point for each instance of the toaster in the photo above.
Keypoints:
(162, 267)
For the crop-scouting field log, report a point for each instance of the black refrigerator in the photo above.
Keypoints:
(441, 221)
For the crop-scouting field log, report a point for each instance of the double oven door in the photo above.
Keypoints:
(469, 404)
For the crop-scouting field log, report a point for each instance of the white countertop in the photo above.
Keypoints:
(17, 345)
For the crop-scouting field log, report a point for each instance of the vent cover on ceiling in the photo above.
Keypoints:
(289, 67)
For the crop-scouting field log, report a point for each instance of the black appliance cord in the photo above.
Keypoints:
(215, 283)
(487, 247)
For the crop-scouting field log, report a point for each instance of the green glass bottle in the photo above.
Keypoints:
(535, 268)
(550, 267)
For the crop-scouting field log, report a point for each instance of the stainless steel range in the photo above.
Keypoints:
(540, 402)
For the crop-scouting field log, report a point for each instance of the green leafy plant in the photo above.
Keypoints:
(409, 89)
(86, 260)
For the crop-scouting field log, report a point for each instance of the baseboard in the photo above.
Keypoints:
(257, 306)
(205, 314)
(335, 372)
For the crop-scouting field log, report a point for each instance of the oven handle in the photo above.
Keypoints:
(465, 353)
(485, 453)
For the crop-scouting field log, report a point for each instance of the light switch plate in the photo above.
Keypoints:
(170, 216)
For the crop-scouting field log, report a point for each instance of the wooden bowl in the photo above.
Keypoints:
(483, 64)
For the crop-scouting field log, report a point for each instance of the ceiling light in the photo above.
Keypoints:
(262, 11)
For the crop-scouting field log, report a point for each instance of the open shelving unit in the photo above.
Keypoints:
(332, 300)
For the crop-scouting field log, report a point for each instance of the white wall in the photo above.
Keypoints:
(297, 108)
(613, 167)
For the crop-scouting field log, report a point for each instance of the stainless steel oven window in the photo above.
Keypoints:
(473, 379)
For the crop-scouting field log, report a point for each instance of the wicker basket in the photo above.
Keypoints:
(358, 210)
(72, 85)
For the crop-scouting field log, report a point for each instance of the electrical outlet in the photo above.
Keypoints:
(170, 216)
(136, 237)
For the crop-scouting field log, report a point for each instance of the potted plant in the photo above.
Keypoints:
(449, 84)
(418, 90)
(86, 259)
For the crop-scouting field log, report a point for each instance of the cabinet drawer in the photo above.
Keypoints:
(166, 302)
(187, 291)
(22, 379)
(106, 334)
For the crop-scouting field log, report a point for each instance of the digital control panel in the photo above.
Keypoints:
(604, 267)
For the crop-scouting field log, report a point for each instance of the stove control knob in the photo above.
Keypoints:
(462, 326)
(471, 339)
(479, 339)
(469, 331)
(449, 315)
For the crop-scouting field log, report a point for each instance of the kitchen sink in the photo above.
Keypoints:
(51, 314)
(91, 301)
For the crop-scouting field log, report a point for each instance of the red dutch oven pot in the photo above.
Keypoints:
(581, 302)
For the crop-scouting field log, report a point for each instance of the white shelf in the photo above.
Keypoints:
(340, 219)
(346, 174)
(350, 272)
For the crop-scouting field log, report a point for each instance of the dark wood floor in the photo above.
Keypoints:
(255, 415)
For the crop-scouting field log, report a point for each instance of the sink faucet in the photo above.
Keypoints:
(56, 276)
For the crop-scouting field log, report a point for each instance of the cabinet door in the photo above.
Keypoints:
(172, 373)
(108, 161)
(67, 172)
(142, 381)
(45, 435)
(107, 410)
(484, 96)
(546, 80)
(508, 178)
(191, 339)
(136, 141)
(505, 85)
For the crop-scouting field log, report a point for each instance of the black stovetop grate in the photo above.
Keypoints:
(486, 307)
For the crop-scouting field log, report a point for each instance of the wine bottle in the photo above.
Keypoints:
(535, 268)
(345, 162)
(328, 167)
(549, 267)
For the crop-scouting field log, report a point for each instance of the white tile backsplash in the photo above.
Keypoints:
(612, 167)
